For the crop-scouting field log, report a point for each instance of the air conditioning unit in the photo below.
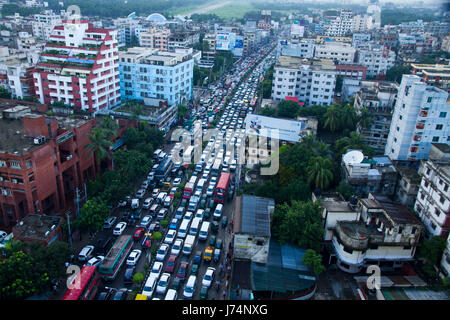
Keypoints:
(39, 140)
(86, 117)
(69, 157)
(14, 180)
(4, 192)
(1, 178)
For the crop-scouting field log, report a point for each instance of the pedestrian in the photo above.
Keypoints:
(67, 264)
(226, 284)
(220, 268)
(229, 268)
(54, 288)
(224, 294)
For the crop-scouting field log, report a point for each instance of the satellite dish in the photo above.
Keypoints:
(353, 157)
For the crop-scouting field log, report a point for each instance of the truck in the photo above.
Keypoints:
(188, 245)
(208, 254)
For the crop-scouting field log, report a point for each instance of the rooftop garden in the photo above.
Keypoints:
(68, 64)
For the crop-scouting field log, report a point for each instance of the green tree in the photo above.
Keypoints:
(268, 111)
(182, 111)
(109, 127)
(346, 190)
(287, 109)
(432, 249)
(99, 146)
(347, 117)
(396, 73)
(136, 113)
(320, 172)
(299, 223)
(157, 236)
(365, 118)
(20, 278)
(4, 93)
(132, 164)
(138, 278)
(332, 119)
(313, 259)
(93, 213)
(354, 141)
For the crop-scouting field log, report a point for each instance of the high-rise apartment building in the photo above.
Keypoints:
(420, 118)
(79, 67)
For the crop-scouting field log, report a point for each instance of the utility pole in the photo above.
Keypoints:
(68, 227)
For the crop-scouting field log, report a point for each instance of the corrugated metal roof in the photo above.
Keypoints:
(282, 271)
(255, 216)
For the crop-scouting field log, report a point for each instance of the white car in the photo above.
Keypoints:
(140, 194)
(163, 283)
(170, 236)
(156, 269)
(199, 214)
(95, 261)
(155, 193)
(134, 256)
(118, 229)
(146, 221)
(86, 253)
(177, 246)
(210, 190)
(176, 182)
(162, 252)
(147, 203)
(208, 277)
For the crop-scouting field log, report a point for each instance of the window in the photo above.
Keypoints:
(435, 139)
(439, 126)
(443, 115)
(437, 212)
(429, 99)
(348, 250)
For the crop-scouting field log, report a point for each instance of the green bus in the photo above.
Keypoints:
(115, 257)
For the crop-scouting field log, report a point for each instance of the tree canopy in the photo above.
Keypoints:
(299, 223)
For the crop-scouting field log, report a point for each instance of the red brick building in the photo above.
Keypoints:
(40, 175)
(352, 71)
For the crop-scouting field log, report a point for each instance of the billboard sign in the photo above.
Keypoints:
(288, 130)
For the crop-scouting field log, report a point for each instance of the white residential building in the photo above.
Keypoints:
(302, 49)
(445, 262)
(341, 26)
(386, 234)
(343, 53)
(433, 199)
(44, 23)
(312, 81)
(421, 117)
(377, 59)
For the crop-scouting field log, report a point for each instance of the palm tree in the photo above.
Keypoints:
(331, 118)
(319, 172)
(109, 127)
(365, 118)
(99, 146)
(348, 117)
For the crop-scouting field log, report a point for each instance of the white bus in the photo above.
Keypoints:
(216, 168)
(188, 155)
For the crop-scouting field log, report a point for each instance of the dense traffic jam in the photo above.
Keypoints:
(195, 199)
